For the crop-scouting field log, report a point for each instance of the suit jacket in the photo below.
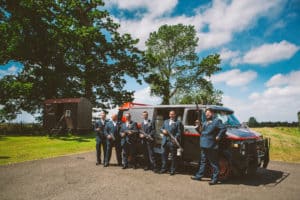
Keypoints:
(110, 128)
(175, 129)
(101, 125)
(149, 128)
(130, 139)
(211, 130)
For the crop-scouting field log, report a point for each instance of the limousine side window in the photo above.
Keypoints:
(191, 117)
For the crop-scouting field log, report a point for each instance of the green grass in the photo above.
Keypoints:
(22, 148)
(285, 145)
(285, 142)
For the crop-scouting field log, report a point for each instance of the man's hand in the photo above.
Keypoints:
(109, 137)
(142, 135)
(123, 134)
(165, 132)
(217, 139)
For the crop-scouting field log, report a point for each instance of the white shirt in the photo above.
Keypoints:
(171, 122)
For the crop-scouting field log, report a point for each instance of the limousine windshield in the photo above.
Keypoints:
(228, 118)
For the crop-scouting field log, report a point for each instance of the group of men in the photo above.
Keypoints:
(127, 135)
(125, 138)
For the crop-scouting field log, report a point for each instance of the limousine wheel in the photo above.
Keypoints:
(225, 169)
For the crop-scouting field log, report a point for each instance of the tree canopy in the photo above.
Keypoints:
(68, 49)
(175, 71)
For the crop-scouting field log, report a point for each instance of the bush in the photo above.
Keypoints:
(22, 129)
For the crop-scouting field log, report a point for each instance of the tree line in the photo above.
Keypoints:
(74, 48)
(252, 122)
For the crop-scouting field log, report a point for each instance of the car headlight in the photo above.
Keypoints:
(235, 145)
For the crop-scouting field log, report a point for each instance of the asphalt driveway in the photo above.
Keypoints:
(77, 177)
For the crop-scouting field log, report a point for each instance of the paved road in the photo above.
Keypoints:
(77, 177)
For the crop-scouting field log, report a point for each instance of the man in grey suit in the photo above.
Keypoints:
(148, 127)
(174, 127)
(100, 136)
(129, 134)
(113, 138)
(212, 132)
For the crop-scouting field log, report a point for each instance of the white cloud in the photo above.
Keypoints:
(10, 71)
(154, 7)
(222, 18)
(292, 78)
(234, 77)
(25, 117)
(227, 54)
(269, 53)
(280, 101)
(143, 96)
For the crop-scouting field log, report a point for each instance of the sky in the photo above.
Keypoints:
(258, 41)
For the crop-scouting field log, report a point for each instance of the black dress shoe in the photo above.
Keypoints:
(98, 163)
(162, 171)
(105, 165)
(172, 173)
(212, 182)
(155, 170)
(195, 178)
(124, 167)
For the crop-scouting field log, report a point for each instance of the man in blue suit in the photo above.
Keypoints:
(100, 137)
(113, 138)
(148, 126)
(212, 132)
(174, 127)
(129, 134)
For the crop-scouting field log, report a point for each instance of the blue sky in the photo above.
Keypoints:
(258, 41)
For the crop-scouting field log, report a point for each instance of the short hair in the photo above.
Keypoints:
(172, 111)
(128, 114)
(210, 110)
(145, 111)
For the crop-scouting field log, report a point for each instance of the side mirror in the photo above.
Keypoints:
(245, 125)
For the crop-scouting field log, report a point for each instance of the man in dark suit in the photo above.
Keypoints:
(129, 131)
(212, 132)
(148, 127)
(100, 136)
(113, 138)
(174, 127)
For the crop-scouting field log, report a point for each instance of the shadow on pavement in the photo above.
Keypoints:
(263, 177)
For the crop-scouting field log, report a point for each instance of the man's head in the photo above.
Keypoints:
(172, 114)
(102, 115)
(128, 117)
(209, 113)
(145, 115)
(114, 117)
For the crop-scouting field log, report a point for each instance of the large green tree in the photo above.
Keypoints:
(68, 49)
(175, 71)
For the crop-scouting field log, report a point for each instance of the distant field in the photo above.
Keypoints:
(285, 143)
(22, 148)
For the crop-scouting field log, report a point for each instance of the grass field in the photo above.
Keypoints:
(285, 145)
(22, 148)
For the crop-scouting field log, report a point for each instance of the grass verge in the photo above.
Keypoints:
(22, 148)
